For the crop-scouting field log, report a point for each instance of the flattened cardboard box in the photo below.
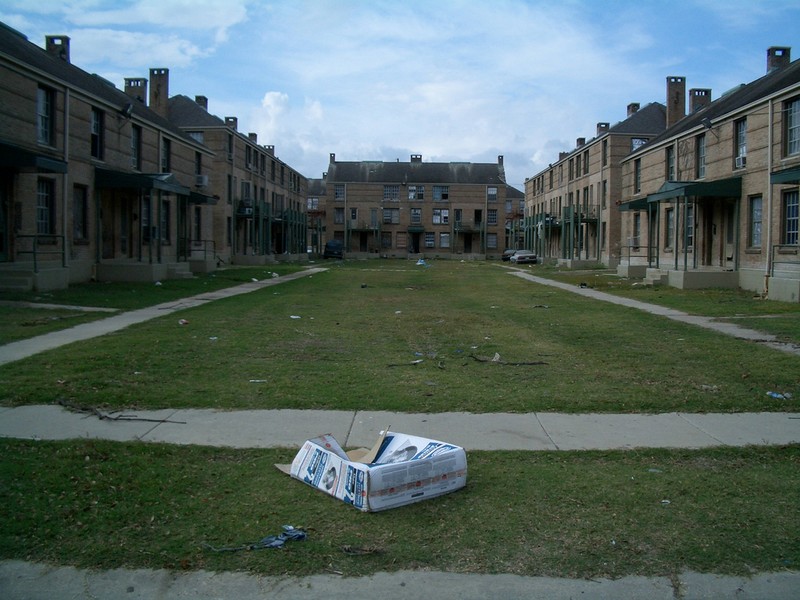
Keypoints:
(399, 469)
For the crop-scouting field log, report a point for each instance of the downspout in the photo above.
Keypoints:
(685, 233)
(770, 134)
(65, 182)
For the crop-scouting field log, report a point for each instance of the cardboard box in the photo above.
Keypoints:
(398, 470)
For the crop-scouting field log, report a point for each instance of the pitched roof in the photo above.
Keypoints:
(649, 120)
(185, 112)
(16, 45)
(737, 98)
(416, 172)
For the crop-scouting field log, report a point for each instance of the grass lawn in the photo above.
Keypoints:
(572, 514)
(353, 338)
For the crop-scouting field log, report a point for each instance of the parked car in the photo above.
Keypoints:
(507, 255)
(523, 257)
(333, 249)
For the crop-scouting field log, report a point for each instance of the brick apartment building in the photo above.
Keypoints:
(432, 209)
(571, 213)
(713, 200)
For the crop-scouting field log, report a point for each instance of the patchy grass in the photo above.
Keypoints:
(351, 338)
(99, 504)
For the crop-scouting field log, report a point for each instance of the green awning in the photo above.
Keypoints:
(21, 159)
(791, 175)
(198, 198)
(721, 188)
(638, 204)
(416, 229)
(166, 182)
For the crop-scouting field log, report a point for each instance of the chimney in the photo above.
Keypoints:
(270, 150)
(159, 91)
(698, 99)
(500, 159)
(562, 155)
(580, 142)
(58, 46)
(333, 157)
(778, 57)
(676, 100)
(633, 108)
(602, 128)
(202, 101)
(136, 88)
(253, 137)
(232, 122)
(416, 158)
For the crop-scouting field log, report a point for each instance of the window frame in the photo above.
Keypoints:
(45, 206)
(755, 216)
(790, 207)
(791, 119)
(700, 156)
(97, 134)
(45, 115)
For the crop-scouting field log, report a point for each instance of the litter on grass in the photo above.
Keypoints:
(290, 534)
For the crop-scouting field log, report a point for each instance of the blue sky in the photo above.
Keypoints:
(453, 80)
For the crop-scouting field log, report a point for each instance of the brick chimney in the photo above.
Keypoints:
(778, 57)
(58, 46)
(253, 137)
(159, 91)
(232, 122)
(698, 99)
(202, 101)
(333, 157)
(676, 99)
(500, 159)
(416, 158)
(633, 108)
(580, 142)
(136, 88)
(602, 128)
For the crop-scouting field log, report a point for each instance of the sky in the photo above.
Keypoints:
(452, 80)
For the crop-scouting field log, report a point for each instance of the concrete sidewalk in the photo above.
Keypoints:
(494, 431)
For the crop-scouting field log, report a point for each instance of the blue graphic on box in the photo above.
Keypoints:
(433, 449)
(355, 489)
(316, 468)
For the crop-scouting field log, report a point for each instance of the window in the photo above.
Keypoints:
(491, 216)
(688, 232)
(491, 241)
(45, 115)
(402, 239)
(391, 193)
(391, 216)
(637, 230)
(444, 240)
(491, 194)
(416, 192)
(700, 156)
(80, 214)
(312, 204)
(166, 150)
(605, 153)
(637, 176)
(792, 121)
(740, 151)
(441, 216)
(196, 136)
(754, 225)
(669, 230)
(416, 216)
(354, 214)
(338, 191)
(373, 217)
(386, 239)
(604, 193)
(670, 163)
(45, 207)
(198, 163)
(790, 217)
(98, 133)
(585, 162)
(637, 143)
(197, 223)
(441, 193)
(136, 147)
(430, 239)
(338, 216)
(165, 221)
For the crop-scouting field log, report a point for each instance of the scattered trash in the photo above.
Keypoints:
(776, 395)
(584, 284)
(213, 338)
(709, 388)
(290, 534)
(254, 280)
(374, 479)
(398, 312)
(413, 362)
(295, 317)
(666, 502)
(274, 275)
(363, 285)
(421, 262)
(183, 322)
(496, 357)
(258, 381)
(654, 471)
(361, 551)
(158, 283)
(541, 306)
(496, 360)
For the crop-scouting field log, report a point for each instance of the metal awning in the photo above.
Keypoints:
(638, 204)
(166, 182)
(415, 229)
(721, 188)
(791, 175)
(198, 198)
(21, 159)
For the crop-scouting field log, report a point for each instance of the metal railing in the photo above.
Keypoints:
(43, 244)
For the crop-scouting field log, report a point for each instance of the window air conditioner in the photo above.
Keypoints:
(741, 162)
(201, 180)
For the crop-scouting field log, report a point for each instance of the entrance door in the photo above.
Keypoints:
(467, 243)
(107, 226)
(730, 233)
(362, 242)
